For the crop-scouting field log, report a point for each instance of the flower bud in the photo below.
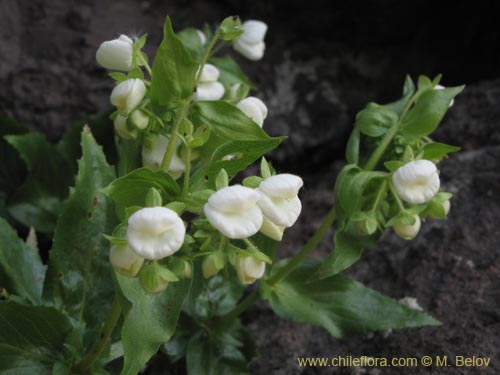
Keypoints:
(139, 119)
(233, 211)
(187, 273)
(249, 269)
(272, 230)
(416, 182)
(124, 260)
(251, 43)
(127, 95)
(254, 108)
(209, 91)
(153, 153)
(201, 35)
(116, 54)
(210, 73)
(122, 130)
(440, 87)
(152, 280)
(155, 232)
(208, 267)
(278, 199)
(446, 209)
(408, 231)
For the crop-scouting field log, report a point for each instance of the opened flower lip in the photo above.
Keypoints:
(278, 199)
(116, 54)
(155, 232)
(254, 108)
(251, 43)
(127, 95)
(233, 211)
(416, 182)
(249, 269)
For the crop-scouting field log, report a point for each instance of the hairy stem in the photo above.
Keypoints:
(88, 360)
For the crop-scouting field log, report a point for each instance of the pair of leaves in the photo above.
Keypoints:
(339, 304)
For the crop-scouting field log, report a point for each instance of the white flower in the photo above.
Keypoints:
(208, 88)
(440, 87)
(254, 108)
(201, 35)
(124, 260)
(278, 199)
(155, 232)
(116, 54)
(139, 119)
(408, 232)
(234, 212)
(127, 95)
(272, 230)
(249, 269)
(152, 156)
(122, 129)
(208, 267)
(251, 43)
(416, 182)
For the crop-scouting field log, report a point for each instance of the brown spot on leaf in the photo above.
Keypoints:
(95, 201)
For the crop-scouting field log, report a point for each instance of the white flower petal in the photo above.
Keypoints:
(281, 211)
(252, 52)
(209, 73)
(152, 157)
(127, 95)
(249, 269)
(116, 54)
(253, 31)
(155, 232)
(235, 225)
(254, 108)
(124, 260)
(209, 91)
(201, 35)
(283, 185)
(234, 199)
(416, 182)
(272, 230)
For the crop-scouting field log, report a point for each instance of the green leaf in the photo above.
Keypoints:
(213, 297)
(173, 71)
(222, 180)
(196, 200)
(78, 278)
(149, 319)
(12, 168)
(348, 249)
(129, 153)
(437, 151)
(352, 148)
(153, 198)
(339, 304)
(408, 92)
(131, 189)
(21, 269)
(230, 71)
(428, 112)
(31, 338)
(226, 349)
(375, 120)
(230, 28)
(38, 200)
(191, 40)
(424, 83)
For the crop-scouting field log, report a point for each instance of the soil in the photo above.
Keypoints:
(323, 63)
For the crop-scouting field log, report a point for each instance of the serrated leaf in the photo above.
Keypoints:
(78, 278)
(339, 304)
(222, 350)
(149, 319)
(131, 189)
(21, 269)
(31, 338)
(173, 71)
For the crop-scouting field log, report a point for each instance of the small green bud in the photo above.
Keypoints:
(139, 119)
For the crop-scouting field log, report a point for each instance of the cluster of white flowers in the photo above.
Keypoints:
(416, 183)
(209, 88)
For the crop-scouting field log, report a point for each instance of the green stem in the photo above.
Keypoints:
(172, 143)
(309, 246)
(381, 190)
(88, 360)
(242, 306)
(187, 172)
(250, 244)
(396, 197)
(146, 65)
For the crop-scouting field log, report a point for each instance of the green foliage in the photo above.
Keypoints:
(339, 304)
(149, 319)
(131, 189)
(437, 151)
(230, 28)
(32, 338)
(375, 120)
(21, 269)
(222, 350)
(191, 40)
(173, 71)
(230, 72)
(78, 278)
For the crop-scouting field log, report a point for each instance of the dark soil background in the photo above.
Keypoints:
(324, 61)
